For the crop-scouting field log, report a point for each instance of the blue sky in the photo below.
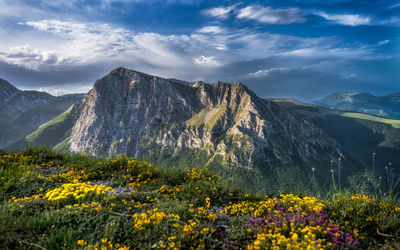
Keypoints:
(280, 48)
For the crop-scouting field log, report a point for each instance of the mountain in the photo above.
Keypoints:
(385, 106)
(6, 90)
(359, 134)
(22, 112)
(190, 124)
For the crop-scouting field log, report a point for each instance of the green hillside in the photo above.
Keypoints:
(359, 134)
(23, 111)
(60, 201)
(52, 132)
(394, 123)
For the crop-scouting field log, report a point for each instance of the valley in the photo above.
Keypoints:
(22, 112)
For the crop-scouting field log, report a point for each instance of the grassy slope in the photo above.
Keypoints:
(394, 123)
(17, 125)
(154, 208)
(324, 111)
(199, 158)
(358, 134)
(37, 133)
(208, 116)
(53, 132)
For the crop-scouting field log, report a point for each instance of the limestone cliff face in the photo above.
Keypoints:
(132, 113)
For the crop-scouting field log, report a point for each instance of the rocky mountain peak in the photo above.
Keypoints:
(125, 82)
(125, 71)
(128, 112)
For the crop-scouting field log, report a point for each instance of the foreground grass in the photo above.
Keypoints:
(60, 201)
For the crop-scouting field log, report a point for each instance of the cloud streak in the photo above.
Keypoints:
(203, 50)
(258, 13)
(221, 12)
(347, 19)
(86, 41)
(265, 72)
(211, 29)
(268, 15)
(31, 58)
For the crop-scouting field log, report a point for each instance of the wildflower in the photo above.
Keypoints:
(76, 190)
(81, 242)
(208, 202)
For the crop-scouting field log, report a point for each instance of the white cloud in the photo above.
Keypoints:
(265, 72)
(347, 19)
(394, 6)
(59, 3)
(211, 29)
(258, 13)
(362, 52)
(349, 76)
(383, 42)
(188, 57)
(393, 21)
(268, 15)
(221, 12)
(86, 42)
(207, 61)
(161, 51)
(378, 44)
(83, 43)
(30, 58)
(302, 52)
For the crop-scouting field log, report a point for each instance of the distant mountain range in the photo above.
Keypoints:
(22, 112)
(359, 134)
(385, 106)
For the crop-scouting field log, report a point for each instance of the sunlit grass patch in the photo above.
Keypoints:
(394, 123)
